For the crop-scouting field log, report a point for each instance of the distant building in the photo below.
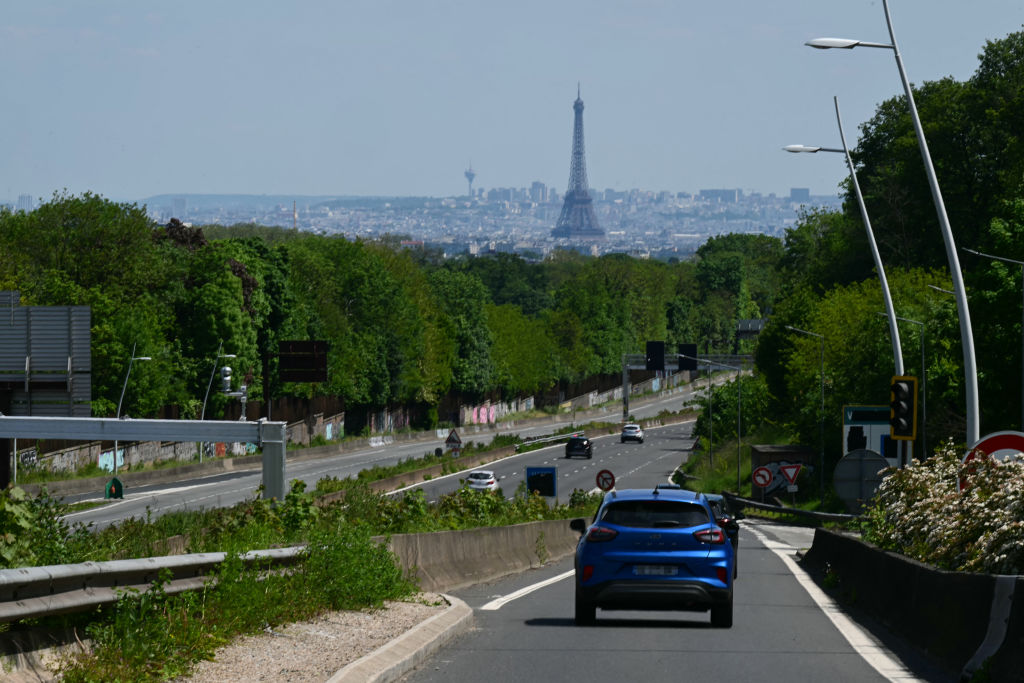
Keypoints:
(538, 192)
(800, 195)
(26, 203)
(178, 207)
(722, 196)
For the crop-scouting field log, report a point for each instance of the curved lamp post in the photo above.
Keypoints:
(1021, 264)
(894, 331)
(739, 410)
(966, 333)
(821, 437)
(123, 388)
(216, 362)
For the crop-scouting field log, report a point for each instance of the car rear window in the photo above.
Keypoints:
(479, 475)
(655, 513)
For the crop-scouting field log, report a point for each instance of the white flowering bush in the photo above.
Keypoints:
(922, 513)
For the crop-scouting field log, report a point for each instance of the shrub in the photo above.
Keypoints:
(920, 512)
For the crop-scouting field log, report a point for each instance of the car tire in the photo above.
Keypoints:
(721, 615)
(622, 441)
(586, 611)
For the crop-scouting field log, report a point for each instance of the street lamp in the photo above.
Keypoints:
(894, 332)
(216, 362)
(1021, 264)
(964, 314)
(123, 388)
(821, 436)
(739, 411)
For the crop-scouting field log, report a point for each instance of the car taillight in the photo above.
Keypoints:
(710, 536)
(588, 571)
(723, 574)
(601, 533)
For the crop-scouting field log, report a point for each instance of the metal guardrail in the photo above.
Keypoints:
(61, 589)
(738, 502)
(549, 439)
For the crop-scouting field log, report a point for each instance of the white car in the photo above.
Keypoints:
(632, 432)
(482, 480)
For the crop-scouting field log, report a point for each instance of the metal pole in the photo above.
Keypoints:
(739, 407)
(822, 427)
(711, 425)
(966, 333)
(1021, 264)
(963, 310)
(821, 436)
(739, 419)
(894, 332)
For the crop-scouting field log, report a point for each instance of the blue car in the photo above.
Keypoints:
(654, 549)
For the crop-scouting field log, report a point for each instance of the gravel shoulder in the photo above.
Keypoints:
(315, 650)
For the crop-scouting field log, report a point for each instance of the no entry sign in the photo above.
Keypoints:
(762, 477)
(605, 480)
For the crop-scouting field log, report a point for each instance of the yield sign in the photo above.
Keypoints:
(790, 472)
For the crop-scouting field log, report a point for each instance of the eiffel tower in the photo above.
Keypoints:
(577, 218)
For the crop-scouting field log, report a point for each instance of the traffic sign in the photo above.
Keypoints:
(762, 477)
(542, 480)
(605, 480)
(790, 472)
(999, 445)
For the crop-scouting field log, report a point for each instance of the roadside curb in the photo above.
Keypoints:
(400, 656)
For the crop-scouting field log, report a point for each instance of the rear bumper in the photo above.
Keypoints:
(655, 595)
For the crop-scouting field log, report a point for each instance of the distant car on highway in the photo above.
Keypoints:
(657, 549)
(632, 432)
(578, 444)
(728, 520)
(482, 480)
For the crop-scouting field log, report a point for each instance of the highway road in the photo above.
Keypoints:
(785, 629)
(226, 489)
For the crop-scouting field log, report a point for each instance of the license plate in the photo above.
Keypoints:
(655, 570)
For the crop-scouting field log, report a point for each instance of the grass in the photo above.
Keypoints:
(153, 636)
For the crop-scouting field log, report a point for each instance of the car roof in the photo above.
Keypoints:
(631, 424)
(489, 473)
(655, 493)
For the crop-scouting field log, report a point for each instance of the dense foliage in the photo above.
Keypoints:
(405, 327)
(922, 512)
(975, 133)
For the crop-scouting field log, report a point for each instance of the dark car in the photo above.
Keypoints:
(728, 520)
(657, 549)
(578, 445)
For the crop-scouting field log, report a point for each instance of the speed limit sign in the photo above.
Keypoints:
(605, 480)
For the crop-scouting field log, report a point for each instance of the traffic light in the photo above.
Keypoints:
(690, 351)
(903, 408)
(656, 356)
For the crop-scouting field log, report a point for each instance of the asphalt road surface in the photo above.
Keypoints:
(785, 629)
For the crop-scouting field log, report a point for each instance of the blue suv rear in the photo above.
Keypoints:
(654, 549)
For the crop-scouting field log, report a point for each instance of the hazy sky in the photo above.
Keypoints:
(132, 98)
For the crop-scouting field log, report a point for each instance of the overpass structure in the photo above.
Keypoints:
(269, 436)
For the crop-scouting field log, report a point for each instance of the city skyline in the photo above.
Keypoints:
(398, 98)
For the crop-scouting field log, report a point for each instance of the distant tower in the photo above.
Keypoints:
(577, 218)
(470, 174)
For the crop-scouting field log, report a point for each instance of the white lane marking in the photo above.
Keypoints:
(873, 652)
(504, 600)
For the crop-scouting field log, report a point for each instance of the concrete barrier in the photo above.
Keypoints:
(950, 615)
(447, 560)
